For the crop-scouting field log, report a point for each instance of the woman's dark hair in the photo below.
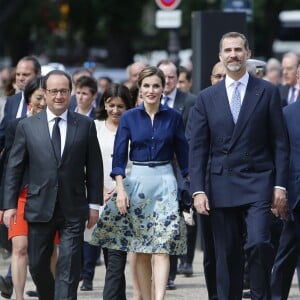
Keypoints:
(115, 90)
(36, 83)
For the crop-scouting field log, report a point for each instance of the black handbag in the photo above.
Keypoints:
(185, 198)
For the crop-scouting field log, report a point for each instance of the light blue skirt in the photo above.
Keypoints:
(153, 223)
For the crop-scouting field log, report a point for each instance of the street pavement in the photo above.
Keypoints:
(187, 288)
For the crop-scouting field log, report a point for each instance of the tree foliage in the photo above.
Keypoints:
(66, 29)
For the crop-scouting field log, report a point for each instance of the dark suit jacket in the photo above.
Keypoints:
(183, 103)
(10, 113)
(247, 159)
(291, 116)
(73, 102)
(284, 93)
(9, 139)
(75, 182)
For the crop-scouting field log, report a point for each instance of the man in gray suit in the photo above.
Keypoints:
(61, 155)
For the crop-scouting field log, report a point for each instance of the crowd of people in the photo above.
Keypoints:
(91, 166)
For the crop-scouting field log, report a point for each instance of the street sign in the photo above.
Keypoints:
(168, 19)
(167, 4)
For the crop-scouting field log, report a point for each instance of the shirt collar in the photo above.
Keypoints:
(51, 116)
(161, 107)
(243, 80)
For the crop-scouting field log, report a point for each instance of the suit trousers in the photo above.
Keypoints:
(40, 248)
(90, 255)
(209, 258)
(115, 283)
(286, 258)
(228, 227)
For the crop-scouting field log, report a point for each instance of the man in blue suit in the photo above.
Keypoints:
(238, 125)
(289, 245)
(27, 68)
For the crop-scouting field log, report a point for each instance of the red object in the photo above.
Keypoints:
(168, 4)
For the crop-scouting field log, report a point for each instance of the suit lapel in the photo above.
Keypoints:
(179, 101)
(252, 96)
(221, 106)
(44, 131)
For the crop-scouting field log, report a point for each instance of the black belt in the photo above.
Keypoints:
(151, 164)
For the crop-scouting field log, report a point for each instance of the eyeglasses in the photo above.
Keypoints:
(218, 76)
(54, 92)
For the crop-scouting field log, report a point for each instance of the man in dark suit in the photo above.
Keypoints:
(15, 107)
(27, 68)
(289, 90)
(60, 152)
(181, 101)
(289, 245)
(238, 125)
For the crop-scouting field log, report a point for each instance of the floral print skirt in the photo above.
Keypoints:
(153, 223)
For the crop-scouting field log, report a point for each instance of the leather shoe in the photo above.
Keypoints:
(32, 293)
(187, 270)
(179, 268)
(6, 287)
(86, 285)
(171, 285)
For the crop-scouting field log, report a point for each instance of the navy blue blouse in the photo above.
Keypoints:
(157, 142)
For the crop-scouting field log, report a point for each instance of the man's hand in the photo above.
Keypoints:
(93, 219)
(279, 204)
(107, 194)
(9, 214)
(201, 204)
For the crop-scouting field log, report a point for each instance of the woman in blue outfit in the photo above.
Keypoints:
(143, 217)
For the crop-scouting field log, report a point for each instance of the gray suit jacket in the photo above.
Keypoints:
(75, 181)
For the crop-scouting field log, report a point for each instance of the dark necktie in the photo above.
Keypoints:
(166, 100)
(56, 139)
(293, 95)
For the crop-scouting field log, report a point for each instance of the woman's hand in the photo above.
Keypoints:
(122, 201)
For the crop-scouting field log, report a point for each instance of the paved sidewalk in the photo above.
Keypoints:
(188, 288)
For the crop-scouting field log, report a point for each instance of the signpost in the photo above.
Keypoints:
(169, 18)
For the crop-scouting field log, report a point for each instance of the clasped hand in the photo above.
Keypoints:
(279, 204)
(201, 204)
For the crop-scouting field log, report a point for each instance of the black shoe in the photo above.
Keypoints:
(247, 294)
(171, 285)
(86, 285)
(32, 294)
(187, 270)
(6, 287)
(179, 268)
